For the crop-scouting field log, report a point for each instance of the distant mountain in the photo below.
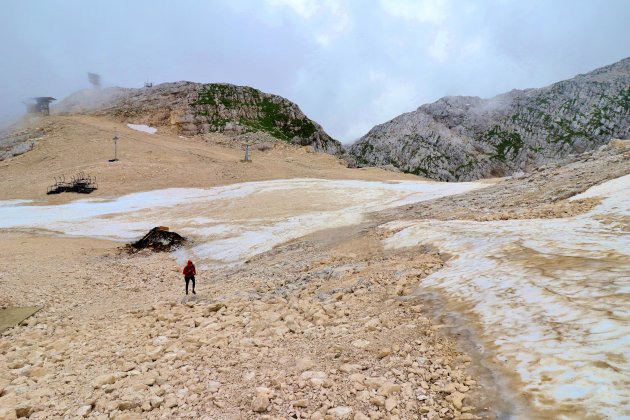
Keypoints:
(461, 138)
(195, 108)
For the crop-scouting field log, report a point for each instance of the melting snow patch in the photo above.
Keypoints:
(143, 128)
(551, 296)
(228, 223)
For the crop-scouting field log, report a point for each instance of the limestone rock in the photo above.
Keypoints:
(260, 403)
(360, 416)
(213, 386)
(213, 307)
(461, 138)
(102, 380)
(349, 368)
(156, 401)
(304, 364)
(340, 412)
(360, 343)
(83, 411)
(457, 399)
(372, 324)
(384, 352)
(303, 403)
(388, 389)
(391, 403)
(449, 388)
(8, 404)
(195, 108)
(128, 404)
(374, 382)
(314, 378)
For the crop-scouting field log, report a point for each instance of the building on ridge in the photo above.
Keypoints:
(39, 105)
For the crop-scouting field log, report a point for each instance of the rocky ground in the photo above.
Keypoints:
(20, 138)
(67, 145)
(323, 327)
(319, 328)
(540, 194)
(327, 326)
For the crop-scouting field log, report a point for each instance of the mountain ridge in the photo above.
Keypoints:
(195, 108)
(461, 138)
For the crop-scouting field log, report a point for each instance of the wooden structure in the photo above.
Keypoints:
(41, 105)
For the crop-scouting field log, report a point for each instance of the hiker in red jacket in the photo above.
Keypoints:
(189, 274)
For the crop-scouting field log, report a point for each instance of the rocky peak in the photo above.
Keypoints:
(459, 138)
(195, 108)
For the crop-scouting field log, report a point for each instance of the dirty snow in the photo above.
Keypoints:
(231, 223)
(552, 297)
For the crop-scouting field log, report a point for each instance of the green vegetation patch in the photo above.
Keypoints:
(463, 169)
(505, 142)
(418, 171)
(427, 165)
(272, 115)
(623, 99)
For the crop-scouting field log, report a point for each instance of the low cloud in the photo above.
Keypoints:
(349, 64)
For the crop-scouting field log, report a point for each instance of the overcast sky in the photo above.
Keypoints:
(348, 64)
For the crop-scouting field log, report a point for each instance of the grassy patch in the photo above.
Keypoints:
(255, 110)
(506, 143)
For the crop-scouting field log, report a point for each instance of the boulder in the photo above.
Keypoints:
(105, 379)
(340, 412)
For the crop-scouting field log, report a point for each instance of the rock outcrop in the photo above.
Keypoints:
(463, 138)
(195, 108)
(19, 139)
(21, 136)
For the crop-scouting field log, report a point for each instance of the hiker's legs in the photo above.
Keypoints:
(187, 280)
(193, 281)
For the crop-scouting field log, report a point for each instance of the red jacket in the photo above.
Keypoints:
(189, 270)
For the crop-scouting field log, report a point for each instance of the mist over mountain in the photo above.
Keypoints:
(460, 138)
(194, 108)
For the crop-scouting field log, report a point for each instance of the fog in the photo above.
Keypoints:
(348, 64)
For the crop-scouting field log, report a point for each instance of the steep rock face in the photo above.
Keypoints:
(463, 138)
(194, 108)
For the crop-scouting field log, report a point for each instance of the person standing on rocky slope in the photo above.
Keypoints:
(189, 274)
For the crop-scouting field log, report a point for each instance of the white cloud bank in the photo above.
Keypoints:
(321, 54)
